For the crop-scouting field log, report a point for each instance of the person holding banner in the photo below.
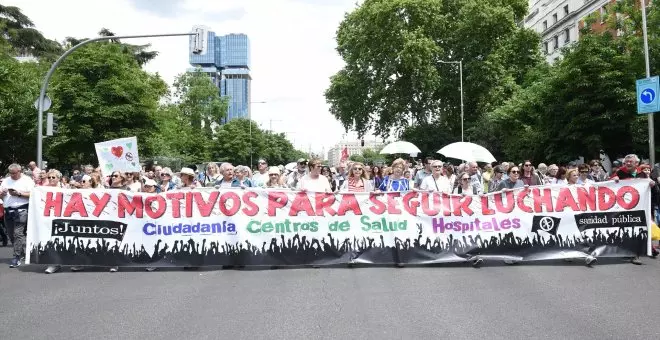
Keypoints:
(274, 180)
(436, 181)
(512, 181)
(314, 181)
(15, 193)
(188, 179)
(395, 181)
(166, 183)
(357, 180)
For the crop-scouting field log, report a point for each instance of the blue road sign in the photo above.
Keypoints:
(648, 90)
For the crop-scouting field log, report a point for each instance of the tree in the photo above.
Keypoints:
(235, 143)
(19, 87)
(393, 51)
(101, 93)
(17, 31)
(585, 102)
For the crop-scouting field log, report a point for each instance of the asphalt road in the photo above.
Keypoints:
(544, 301)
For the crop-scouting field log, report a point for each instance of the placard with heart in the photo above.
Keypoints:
(118, 155)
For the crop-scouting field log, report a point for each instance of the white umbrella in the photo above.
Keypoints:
(399, 147)
(467, 152)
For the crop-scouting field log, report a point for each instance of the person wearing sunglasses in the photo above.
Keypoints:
(436, 181)
(53, 179)
(357, 180)
(513, 181)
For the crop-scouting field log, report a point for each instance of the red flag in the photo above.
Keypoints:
(344, 154)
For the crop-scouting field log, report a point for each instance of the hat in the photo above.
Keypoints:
(302, 160)
(187, 171)
(85, 178)
(150, 182)
(273, 170)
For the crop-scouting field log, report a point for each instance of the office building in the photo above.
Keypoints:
(559, 21)
(226, 59)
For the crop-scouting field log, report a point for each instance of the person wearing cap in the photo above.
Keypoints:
(188, 179)
(150, 186)
(262, 176)
(296, 176)
(274, 178)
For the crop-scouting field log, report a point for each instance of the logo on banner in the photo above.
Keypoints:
(548, 224)
(89, 229)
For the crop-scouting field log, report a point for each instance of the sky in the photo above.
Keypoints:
(292, 49)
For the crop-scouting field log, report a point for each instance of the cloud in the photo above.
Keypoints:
(179, 8)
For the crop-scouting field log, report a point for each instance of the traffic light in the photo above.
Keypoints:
(51, 124)
(199, 40)
(362, 142)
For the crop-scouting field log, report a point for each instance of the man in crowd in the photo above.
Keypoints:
(260, 178)
(15, 193)
(34, 169)
(421, 174)
(296, 176)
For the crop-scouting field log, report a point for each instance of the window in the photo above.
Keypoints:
(545, 47)
(567, 36)
(545, 25)
(566, 10)
(554, 18)
(556, 44)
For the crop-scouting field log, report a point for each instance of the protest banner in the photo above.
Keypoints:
(118, 155)
(263, 227)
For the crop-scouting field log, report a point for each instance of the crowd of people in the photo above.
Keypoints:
(309, 175)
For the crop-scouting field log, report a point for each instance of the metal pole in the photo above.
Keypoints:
(648, 75)
(44, 85)
(460, 70)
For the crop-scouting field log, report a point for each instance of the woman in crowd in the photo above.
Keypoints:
(376, 176)
(166, 183)
(513, 181)
(551, 174)
(117, 181)
(212, 175)
(560, 176)
(53, 178)
(464, 187)
(451, 176)
(150, 186)
(495, 181)
(242, 175)
(572, 176)
(584, 179)
(436, 181)
(395, 181)
(133, 182)
(357, 180)
(274, 178)
(188, 181)
(407, 174)
(325, 171)
(529, 175)
(65, 182)
(313, 180)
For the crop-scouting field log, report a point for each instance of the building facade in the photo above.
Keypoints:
(559, 21)
(354, 147)
(226, 59)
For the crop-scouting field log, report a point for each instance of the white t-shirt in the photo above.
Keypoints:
(260, 180)
(441, 184)
(320, 184)
(23, 184)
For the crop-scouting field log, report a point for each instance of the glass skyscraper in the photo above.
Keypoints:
(226, 59)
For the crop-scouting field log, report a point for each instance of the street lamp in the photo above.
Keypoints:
(44, 85)
(460, 71)
(648, 75)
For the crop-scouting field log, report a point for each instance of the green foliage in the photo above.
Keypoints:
(240, 138)
(393, 74)
(17, 32)
(19, 87)
(585, 102)
(101, 93)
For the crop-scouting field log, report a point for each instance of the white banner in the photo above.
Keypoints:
(225, 226)
(118, 155)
